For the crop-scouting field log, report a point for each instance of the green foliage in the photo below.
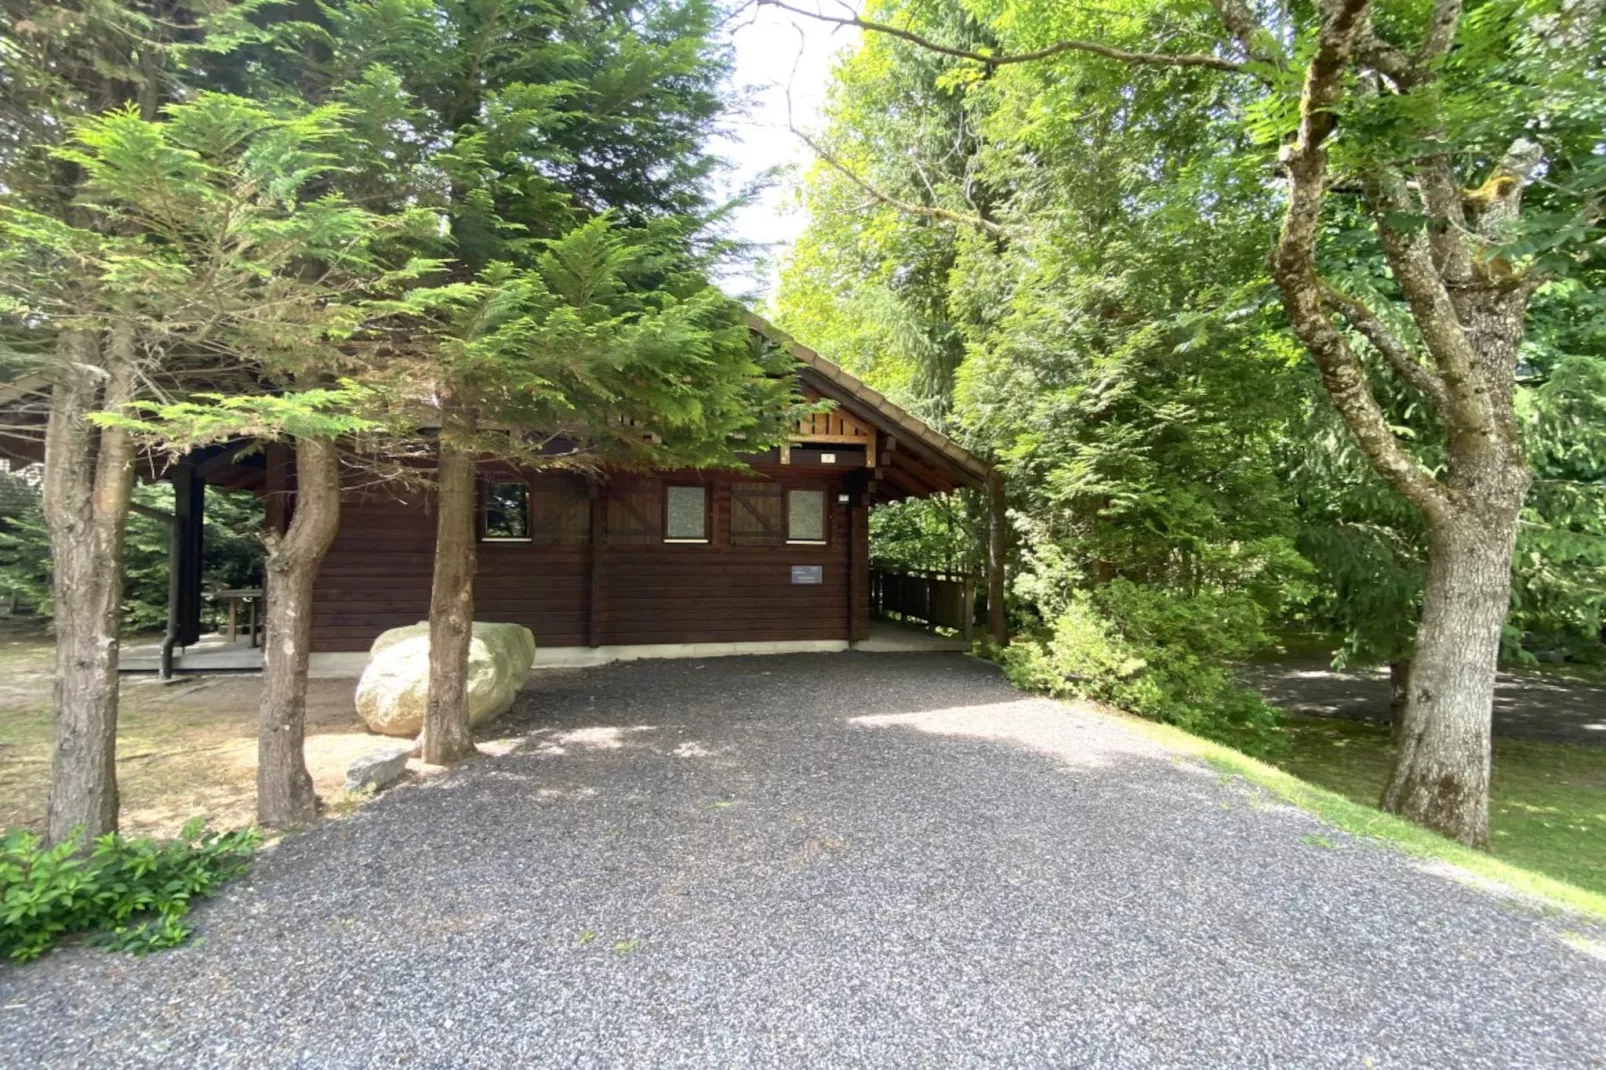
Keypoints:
(231, 554)
(1119, 350)
(1156, 654)
(609, 339)
(943, 533)
(1117, 344)
(131, 895)
(1559, 591)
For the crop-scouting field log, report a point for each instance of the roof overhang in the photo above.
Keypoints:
(919, 460)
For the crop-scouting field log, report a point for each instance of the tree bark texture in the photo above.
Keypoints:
(1441, 771)
(285, 795)
(1399, 694)
(447, 736)
(88, 484)
(1469, 312)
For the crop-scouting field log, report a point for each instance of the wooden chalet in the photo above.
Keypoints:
(673, 563)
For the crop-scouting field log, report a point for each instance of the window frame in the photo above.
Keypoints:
(825, 517)
(708, 520)
(484, 510)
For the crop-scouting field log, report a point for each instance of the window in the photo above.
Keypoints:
(507, 511)
(756, 514)
(805, 516)
(685, 514)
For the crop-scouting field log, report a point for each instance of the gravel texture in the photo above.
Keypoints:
(823, 861)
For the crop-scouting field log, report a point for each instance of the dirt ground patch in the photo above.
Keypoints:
(182, 749)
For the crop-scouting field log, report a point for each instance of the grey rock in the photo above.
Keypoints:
(378, 770)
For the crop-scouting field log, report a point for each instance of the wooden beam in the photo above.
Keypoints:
(931, 454)
(900, 479)
(189, 511)
(858, 554)
(932, 477)
(594, 561)
(276, 502)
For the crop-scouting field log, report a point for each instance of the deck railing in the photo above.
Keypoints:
(932, 598)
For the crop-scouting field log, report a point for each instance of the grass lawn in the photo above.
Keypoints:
(1549, 799)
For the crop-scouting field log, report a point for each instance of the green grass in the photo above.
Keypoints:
(1548, 808)
(1548, 817)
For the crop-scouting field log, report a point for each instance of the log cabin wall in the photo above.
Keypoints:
(602, 574)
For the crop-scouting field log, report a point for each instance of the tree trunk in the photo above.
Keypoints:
(285, 796)
(1399, 694)
(85, 503)
(997, 626)
(1441, 773)
(447, 737)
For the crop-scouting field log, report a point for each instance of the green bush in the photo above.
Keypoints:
(1158, 654)
(131, 895)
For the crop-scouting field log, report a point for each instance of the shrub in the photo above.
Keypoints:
(130, 895)
(1158, 654)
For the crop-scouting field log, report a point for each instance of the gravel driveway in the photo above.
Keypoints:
(829, 861)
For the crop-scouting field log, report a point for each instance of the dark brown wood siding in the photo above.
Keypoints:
(377, 576)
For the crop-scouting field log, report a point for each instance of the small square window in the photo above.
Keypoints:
(686, 514)
(507, 510)
(805, 516)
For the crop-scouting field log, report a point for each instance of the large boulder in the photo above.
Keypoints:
(395, 683)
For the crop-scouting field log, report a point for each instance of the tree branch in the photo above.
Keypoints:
(1441, 31)
(1398, 355)
(987, 226)
(1156, 59)
(1294, 263)
(1240, 20)
(1410, 257)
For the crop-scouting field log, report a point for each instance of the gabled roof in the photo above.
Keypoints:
(937, 450)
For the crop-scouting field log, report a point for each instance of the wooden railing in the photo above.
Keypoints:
(934, 599)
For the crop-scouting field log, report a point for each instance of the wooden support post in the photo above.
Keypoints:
(968, 609)
(996, 626)
(189, 505)
(858, 559)
(594, 560)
